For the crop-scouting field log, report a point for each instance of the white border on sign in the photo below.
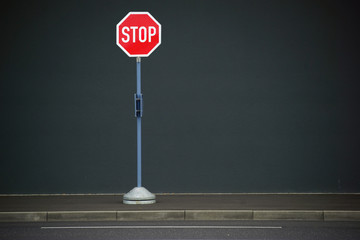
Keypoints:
(117, 34)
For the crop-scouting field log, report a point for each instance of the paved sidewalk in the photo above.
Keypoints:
(316, 207)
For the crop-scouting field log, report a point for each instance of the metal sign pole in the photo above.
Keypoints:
(139, 195)
(138, 114)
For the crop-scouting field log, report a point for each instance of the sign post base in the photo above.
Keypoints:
(139, 195)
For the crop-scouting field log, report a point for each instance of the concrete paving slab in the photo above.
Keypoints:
(113, 202)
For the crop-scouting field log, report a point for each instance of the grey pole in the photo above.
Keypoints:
(138, 116)
(139, 194)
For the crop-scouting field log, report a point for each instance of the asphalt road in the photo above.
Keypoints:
(182, 230)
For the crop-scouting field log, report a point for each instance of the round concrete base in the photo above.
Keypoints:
(139, 195)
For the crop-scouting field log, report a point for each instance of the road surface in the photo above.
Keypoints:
(182, 230)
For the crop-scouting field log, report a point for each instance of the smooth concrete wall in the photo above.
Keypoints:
(241, 96)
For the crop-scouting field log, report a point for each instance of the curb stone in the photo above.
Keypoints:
(288, 215)
(61, 216)
(173, 215)
(219, 215)
(341, 215)
(23, 216)
(168, 215)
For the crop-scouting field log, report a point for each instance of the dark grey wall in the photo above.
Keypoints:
(241, 96)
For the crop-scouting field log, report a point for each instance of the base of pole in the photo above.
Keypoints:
(139, 195)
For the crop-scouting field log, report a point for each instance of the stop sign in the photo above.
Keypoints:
(138, 34)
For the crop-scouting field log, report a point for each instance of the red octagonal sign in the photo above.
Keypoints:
(138, 34)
